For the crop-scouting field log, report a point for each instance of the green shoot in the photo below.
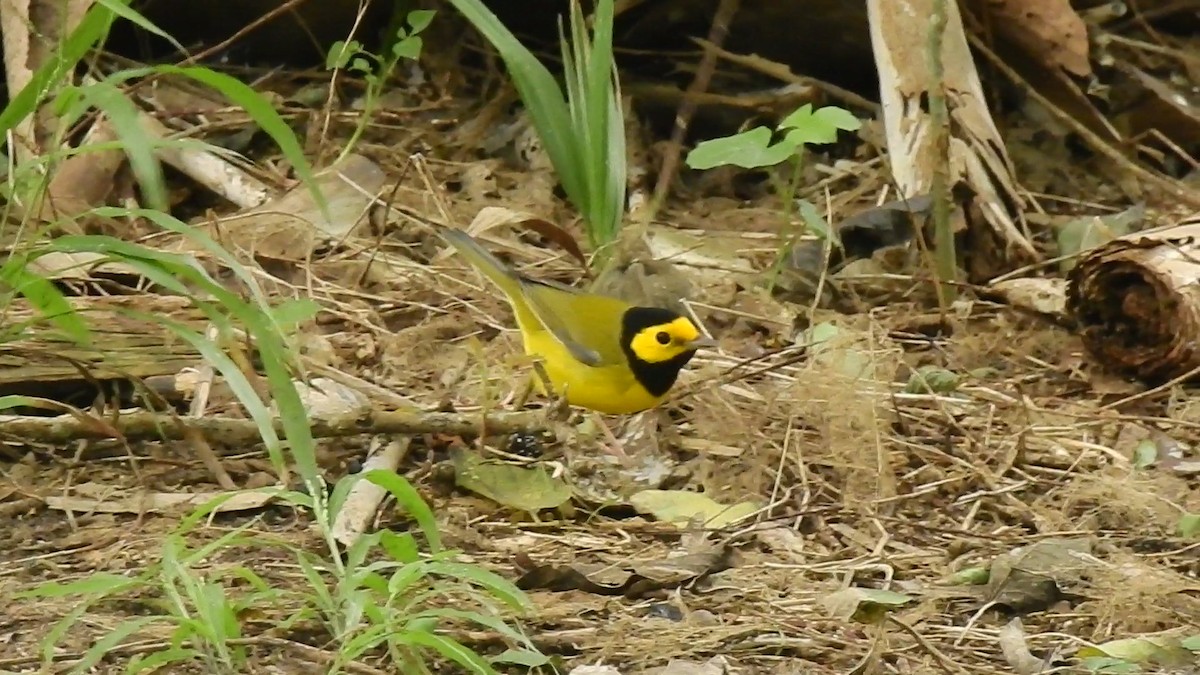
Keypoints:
(761, 147)
(352, 57)
(582, 131)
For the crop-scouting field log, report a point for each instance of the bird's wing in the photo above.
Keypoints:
(592, 335)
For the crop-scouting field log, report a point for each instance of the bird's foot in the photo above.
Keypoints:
(614, 446)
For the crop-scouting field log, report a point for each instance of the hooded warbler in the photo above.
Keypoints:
(599, 352)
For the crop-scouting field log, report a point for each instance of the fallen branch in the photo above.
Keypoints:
(1137, 303)
(144, 426)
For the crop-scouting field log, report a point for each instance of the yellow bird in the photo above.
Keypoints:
(599, 352)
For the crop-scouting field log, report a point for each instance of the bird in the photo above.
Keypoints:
(598, 352)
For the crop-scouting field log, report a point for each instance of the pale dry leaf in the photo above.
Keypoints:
(293, 225)
(153, 502)
(681, 507)
(331, 401)
(1046, 296)
(1016, 650)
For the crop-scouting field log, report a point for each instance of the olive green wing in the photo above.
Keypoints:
(588, 325)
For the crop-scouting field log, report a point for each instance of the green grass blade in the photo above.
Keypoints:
(538, 90)
(410, 500)
(139, 146)
(106, 644)
(160, 659)
(496, 585)
(449, 648)
(90, 32)
(97, 583)
(121, 9)
(45, 297)
(261, 111)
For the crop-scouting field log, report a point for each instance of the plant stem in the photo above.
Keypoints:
(945, 256)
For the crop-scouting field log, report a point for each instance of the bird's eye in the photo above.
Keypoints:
(663, 337)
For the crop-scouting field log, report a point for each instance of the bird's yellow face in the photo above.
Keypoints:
(666, 341)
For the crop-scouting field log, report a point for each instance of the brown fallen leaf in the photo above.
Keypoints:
(1033, 577)
(634, 580)
(1050, 31)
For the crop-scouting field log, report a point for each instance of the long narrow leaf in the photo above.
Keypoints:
(90, 31)
(261, 111)
(139, 146)
(451, 649)
(45, 297)
(408, 498)
(538, 90)
(106, 644)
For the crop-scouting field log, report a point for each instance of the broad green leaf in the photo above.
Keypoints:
(970, 576)
(340, 53)
(932, 379)
(1145, 454)
(408, 48)
(806, 126)
(750, 149)
(419, 19)
(1146, 649)
(1083, 234)
(528, 489)
(1108, 665)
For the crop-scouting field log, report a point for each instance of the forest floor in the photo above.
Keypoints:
(1035, 464)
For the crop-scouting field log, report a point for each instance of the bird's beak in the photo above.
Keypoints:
(702, 342)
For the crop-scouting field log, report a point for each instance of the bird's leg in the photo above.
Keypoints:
(521, 396)
(559, 408)
(614, 446)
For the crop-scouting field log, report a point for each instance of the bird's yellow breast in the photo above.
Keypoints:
(608, 389)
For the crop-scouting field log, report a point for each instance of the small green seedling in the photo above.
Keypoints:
(351, 56)
(762, 147)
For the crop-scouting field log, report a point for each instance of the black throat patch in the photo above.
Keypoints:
(657, 378)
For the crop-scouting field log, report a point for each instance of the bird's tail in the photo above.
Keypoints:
(487, 264)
